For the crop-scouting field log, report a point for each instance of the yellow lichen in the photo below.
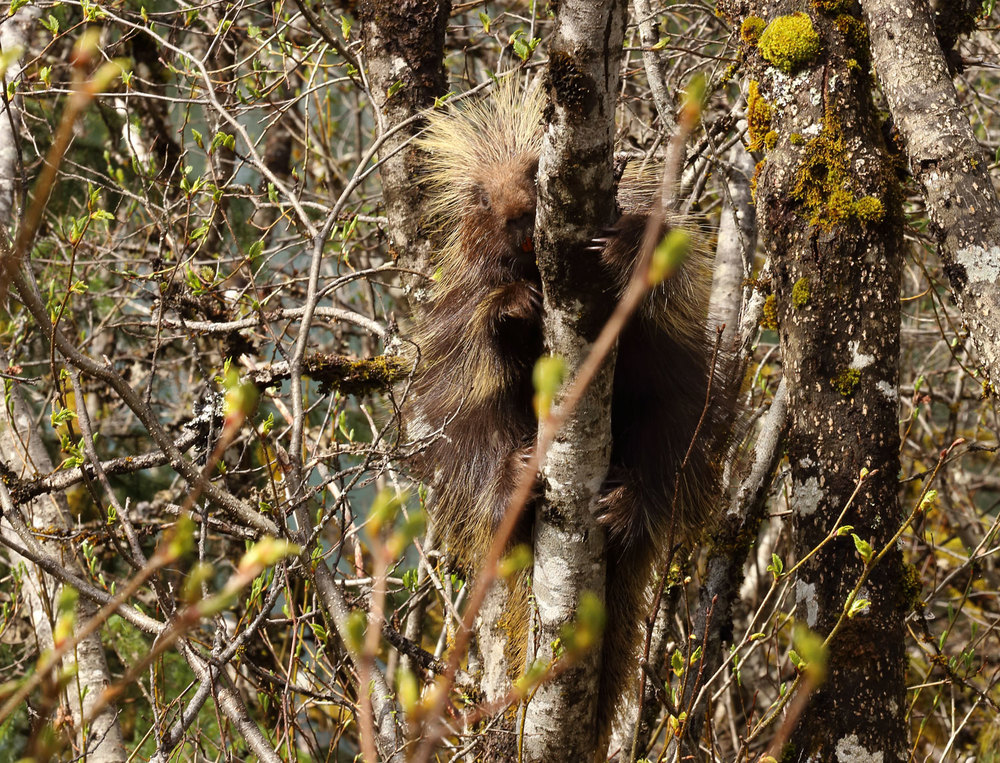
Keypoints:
(753, 181)
(822, 179)
(789, 42)
(800, 293)
(751, 29)
(856, 34)
(758, 117)
(770, 139)
(869, 209)
(824, 183)
(846, 381)
(833, 6)
(769, 314)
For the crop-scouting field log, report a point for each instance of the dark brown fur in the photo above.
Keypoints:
(472, 397)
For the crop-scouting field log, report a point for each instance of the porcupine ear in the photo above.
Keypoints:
(496, 127)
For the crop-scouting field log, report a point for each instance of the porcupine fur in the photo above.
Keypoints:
(479, 338)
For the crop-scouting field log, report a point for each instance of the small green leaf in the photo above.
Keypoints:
(776, 567)
(547, 378)
(858, 606)
(668, 255)
(864, 548)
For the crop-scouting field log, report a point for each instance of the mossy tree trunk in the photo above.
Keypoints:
(830, 217)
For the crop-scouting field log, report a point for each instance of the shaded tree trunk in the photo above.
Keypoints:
(830, 218)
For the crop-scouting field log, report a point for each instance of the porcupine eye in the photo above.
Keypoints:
(480, 197)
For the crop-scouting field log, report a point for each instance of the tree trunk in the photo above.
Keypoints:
(829, 211)
(575, 197)
(404, 45)
(946, 160)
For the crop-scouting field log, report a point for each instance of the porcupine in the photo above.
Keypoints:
(480, 336)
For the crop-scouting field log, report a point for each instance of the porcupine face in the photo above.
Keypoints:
(500, 222)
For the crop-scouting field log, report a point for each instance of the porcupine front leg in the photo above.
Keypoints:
(511, 314)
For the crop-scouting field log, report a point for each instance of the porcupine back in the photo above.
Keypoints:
(480, 336)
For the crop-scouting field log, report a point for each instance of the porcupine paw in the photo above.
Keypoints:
(618, 513)
(509, 479)
(621, 244)
(519, 300)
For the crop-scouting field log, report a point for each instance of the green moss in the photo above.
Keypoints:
(751, 29)
(846, 381)
(790, 42)
(911, 587)
(840, 204)
(770, 139)
(869, 209)
(800, 293)
(352, 375)
(796, 139)
(833, 6)
(753, 181)
(758, 117)
(823, 177)
(769, 314)
(824, 183)
(853, 29)
(856, 34)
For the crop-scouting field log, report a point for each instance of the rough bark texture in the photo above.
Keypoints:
(404, 47)
(946, 160)
(23, 452)
(830, 218)
(575, 198)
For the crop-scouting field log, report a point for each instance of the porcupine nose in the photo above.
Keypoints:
(521, 230)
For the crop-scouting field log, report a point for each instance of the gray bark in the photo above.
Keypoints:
(24, 453)
(652, 60)
(946, 160)
(735, 249)
(15, 33)
(575, 197)
(404, 45)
